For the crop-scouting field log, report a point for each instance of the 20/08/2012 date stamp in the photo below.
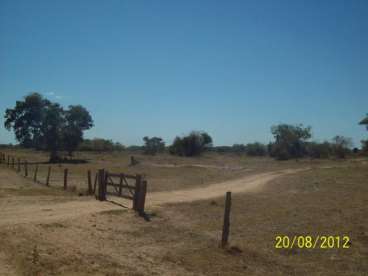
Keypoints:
(312, 242)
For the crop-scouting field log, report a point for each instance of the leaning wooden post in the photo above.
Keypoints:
(101, 185)
(226, 226)
(138, 180)
(35, 173)
(89, 182)
(25, 168)
(65, 179)
(48, 176)
(18, 165)
(142, 197)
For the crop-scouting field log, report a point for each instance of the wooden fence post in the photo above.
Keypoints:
(13, 162)
(226, 226)
(89, 182)
(138, 181)
(101, 185)
(18, 165)
(65, 179)
(8, 160)
(121, 184)
(25, 168)
(35, 173)
(48, 176)
(142, 197)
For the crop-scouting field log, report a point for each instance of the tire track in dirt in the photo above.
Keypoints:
(17, 212)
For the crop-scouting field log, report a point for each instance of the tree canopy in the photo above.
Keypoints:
(364, 121)
(290, 141)
(153, 145)
(41, 124)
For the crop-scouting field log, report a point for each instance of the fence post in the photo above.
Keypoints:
(18, 165)
(142, 197)
(13, 162)
(48, 176)
(8, 160)
(101, 185)
(138, 180)
(226, 226)
(25, 168)
(89, 182)
(121, 184)
(65, 179)
(35, 173)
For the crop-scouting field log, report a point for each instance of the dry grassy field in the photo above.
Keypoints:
(48, 231)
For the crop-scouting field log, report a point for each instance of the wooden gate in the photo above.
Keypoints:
(132, 187)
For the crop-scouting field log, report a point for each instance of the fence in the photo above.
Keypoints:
(59, 176)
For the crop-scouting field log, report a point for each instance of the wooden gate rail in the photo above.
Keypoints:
(137, 191)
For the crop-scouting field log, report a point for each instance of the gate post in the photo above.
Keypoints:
(101, 185)
(142, 197)
(138, 181)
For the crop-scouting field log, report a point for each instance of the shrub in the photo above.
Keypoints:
(191, 145)
(256, 149)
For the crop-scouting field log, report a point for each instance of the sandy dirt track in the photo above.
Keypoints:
(17, 210)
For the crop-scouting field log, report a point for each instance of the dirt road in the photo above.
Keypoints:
(18, 209)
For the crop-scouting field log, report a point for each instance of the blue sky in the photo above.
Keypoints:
(163, 68)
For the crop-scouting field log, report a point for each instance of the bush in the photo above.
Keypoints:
(191, 145)
(319, 150)
(341, 146)
(256, 149)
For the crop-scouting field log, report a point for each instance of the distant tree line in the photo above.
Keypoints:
(41, 124)
(100, 145)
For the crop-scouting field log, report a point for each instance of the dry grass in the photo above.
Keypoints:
(164, 172)
(183, 239)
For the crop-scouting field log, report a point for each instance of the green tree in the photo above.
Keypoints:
(77, 120)
(153, 145)
(26, 120)
(290, 141)
(41, 124)
(364, 121)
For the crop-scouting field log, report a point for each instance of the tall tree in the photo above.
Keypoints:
(41, 124)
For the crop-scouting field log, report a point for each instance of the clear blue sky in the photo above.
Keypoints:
(163, 68)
